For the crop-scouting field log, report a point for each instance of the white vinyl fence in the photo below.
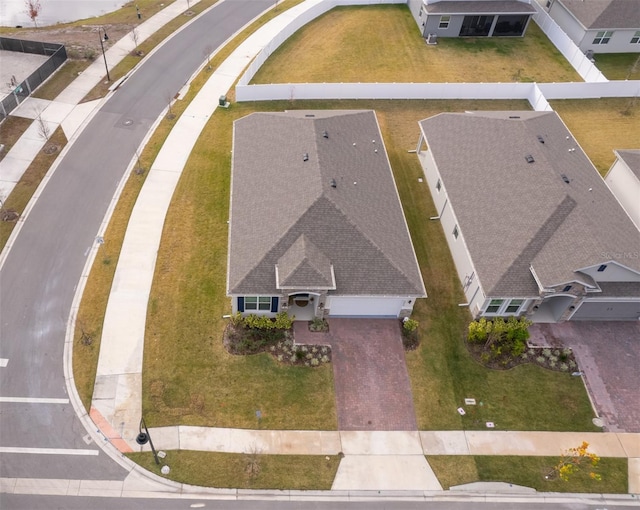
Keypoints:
(566, 46)
(594, 86)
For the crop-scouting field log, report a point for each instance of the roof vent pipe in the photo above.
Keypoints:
(325, 134)
(305, 156)
(333, 183)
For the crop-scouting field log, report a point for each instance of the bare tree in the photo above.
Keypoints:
(136, 38)
(207, 51)
(43, 128)
(33, 10)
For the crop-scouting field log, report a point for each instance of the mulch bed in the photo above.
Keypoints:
(560, 360)
(242, 341)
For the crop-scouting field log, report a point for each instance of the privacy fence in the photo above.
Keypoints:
(594, 86)
(20, 91)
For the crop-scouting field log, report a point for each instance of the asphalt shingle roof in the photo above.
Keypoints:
(605, 14)
(514, 214)
(631, 158)
(479, 7)
(283, 167)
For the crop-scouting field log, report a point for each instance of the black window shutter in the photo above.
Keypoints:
(241, 303)
(274, 304)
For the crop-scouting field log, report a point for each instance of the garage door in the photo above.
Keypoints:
(365, 307)
(608, 311)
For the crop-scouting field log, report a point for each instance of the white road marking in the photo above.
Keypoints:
(48, 451)
(32, 400)
(4, 362)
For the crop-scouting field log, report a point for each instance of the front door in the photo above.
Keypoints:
(302, 305)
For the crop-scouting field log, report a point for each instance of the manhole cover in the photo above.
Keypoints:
(165, 470)
(128, 122)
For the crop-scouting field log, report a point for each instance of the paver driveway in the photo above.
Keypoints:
(372, 385)
(608, 354)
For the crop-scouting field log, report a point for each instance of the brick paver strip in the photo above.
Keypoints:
(372, 385)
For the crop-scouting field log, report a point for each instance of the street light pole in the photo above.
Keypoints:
(104, 38)
(144, 438)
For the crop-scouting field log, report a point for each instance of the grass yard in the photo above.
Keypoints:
(26, 187)
(56, 83)
(195, 381)
(601, 125)
(619, 66)
(246, 471)
(381, 43)
(528, 472)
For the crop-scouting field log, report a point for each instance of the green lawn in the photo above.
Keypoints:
(245, 471)
(381, 43)
(529, 472)
(619, 66)
(602, 125)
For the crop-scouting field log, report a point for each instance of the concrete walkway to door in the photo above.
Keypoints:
(371, 381)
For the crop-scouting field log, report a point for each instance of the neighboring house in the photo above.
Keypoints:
(623, 178)
(316, 226)
(471, 18)
(600, 26)
(532, 227)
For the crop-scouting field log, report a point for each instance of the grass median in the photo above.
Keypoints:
(528, 472)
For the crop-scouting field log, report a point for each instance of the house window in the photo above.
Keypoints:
(494, 305)
(602, 268)
(262, 303)
(438, 185)
(636, 38)
(567, 288)
(455, 232)
(602, 37)
(514, 306)
(444, 21)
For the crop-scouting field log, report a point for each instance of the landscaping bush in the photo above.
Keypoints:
(502, 341)
(410, 337)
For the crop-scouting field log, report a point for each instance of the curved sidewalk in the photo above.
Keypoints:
(66, 110)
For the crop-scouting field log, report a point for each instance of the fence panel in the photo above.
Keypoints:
(57, 56)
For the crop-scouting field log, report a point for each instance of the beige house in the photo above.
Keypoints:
(532, 227)
(316, 226)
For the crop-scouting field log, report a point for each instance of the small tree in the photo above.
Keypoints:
(33, 10)
(43, 128)
(573, 460)
(135, 37)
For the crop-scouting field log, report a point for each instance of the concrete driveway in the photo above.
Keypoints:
(608, 354)
(370, 375)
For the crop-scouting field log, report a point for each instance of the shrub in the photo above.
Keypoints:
(409, 325)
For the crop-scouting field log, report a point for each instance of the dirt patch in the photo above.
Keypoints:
(81, 42)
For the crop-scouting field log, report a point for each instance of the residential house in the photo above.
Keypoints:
(599, 26)
(316, 226)
(532, 227)
(623, 179)
(471, 18)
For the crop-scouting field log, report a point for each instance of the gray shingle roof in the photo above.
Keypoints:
(631, 158)
(283, 165)
(513, 214)
(604, 14)
(479, 7)
(304, 265)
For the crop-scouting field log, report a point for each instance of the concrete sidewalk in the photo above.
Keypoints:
(65, 110)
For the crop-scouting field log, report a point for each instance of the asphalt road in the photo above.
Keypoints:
(19, 502)
(43, 268)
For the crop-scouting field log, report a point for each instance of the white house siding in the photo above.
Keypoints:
(614, 272)
(567, 22)
(474, 294)
(620, 42)
(626, 187)
(433, 21)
